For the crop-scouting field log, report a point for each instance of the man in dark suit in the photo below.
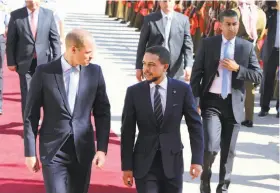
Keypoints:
(157, 106)
(221, 66)
(32, 33)
(172, 30)
(68, 89)
(270, 55)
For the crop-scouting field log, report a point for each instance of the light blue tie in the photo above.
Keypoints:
(224, 93)
(72, 87)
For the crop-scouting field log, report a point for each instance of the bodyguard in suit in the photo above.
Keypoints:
(171, 30)
(221, 66)
(270, 55)
(157, 106)
(32, 32)
(68, 89)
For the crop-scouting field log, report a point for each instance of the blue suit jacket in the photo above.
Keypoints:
(47, 91)
(138, 110)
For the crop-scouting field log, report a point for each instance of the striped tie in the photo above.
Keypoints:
(158, 107)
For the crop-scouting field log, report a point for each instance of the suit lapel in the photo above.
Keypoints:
(148, 102)
(40, 23)
(27, 24)
(159, 24)
(237, 55)
(60, 83)
(169, 100)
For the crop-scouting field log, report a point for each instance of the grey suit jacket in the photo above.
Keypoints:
(21, 44)
(206, 65)
(180, 41)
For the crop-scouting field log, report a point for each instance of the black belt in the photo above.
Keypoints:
(216, 96)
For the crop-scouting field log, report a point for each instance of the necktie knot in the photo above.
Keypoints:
(157, 86)
(74, 69)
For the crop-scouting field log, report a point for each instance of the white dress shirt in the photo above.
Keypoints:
(217, 82)
(36, 16)
(162, 91)
(65, 68)
(277, 30)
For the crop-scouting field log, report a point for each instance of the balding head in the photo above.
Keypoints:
(79, 47)
(77, 38)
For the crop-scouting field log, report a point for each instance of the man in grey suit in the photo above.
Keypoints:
(32, 33)
(171, 30)
(70, 90)
(221, 66)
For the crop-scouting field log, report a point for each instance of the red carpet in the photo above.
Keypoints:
(14, 176)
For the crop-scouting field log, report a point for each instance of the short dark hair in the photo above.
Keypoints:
(161, 52)
(227, 13)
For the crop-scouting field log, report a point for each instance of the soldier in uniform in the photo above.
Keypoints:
(4, 20)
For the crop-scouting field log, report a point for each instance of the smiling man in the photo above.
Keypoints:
(157, 107)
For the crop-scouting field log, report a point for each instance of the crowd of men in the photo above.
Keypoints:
(70, 89)
(202, 25)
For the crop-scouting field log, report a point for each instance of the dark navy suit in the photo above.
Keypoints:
(156, 158)
(66, 140)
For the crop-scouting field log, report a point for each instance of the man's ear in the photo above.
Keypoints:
(166, 66)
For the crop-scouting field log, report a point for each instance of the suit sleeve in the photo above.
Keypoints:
(194, 124)
(143, 40)
(54, 39)
(128, 130)
(102, 115)
(12, 38)
(197, 72)
(187, 45)
(253, 73)
(32, 113)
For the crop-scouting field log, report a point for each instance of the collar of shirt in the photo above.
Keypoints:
(66, 66)
(232, 41)
(36, 12)
(169, 15)
(163, 84)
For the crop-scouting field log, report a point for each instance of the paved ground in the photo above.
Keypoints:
(256, 167)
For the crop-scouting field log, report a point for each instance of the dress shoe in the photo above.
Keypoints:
(205, 187)
(263, 113)
(1, 113)
(247, 123)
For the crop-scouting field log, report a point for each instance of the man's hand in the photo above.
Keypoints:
(12, 68)
(32, 164)
(128, 178)
(229, 64)
(199, 110)
(139, 75)
(188, 73)
(195, 171)
(99, 159)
